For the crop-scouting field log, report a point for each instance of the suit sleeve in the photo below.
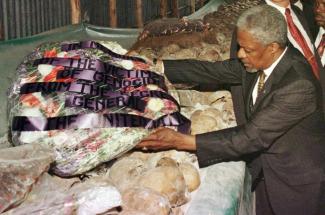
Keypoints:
(203, 72)
(290, 105)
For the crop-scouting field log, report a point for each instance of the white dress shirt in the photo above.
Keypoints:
(317, 41)
(297, 23)
(267, 72)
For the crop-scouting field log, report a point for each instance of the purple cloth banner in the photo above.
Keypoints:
(92, 64)
(93, 90)
(98, 104)
(78, 87)
(114, 71)
(93, 120)
(115, 99)
(95, 45)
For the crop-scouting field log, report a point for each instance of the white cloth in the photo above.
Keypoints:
(267, 72)
(297, 23)
(317, 41)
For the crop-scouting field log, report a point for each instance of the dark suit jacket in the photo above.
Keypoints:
(308, 12)
(236, 91)
(285, 127)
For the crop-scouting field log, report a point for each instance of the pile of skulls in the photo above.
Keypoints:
(206, 39)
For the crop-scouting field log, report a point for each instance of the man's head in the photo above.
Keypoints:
(320, 12)
(262, 37)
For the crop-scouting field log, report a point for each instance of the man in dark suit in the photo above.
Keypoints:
(285, 125)
(306, 25)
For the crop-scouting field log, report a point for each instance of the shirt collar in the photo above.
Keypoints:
(321, 31)
(299, 5)
(319, 36)
(270, 69)
(281, 9)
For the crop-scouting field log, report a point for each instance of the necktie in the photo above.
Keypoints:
(321, 46)
(297, 36)
(260, 83)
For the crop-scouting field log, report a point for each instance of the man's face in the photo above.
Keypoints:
(320, 12)
(254, 55)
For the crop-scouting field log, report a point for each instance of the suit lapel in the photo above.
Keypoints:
(303, 22)
(276, 75)
(248, 86)
(308, 12)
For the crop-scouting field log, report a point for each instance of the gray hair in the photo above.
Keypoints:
(264, 23)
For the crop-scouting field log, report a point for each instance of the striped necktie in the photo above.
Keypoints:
(298, 37)
(260, 83)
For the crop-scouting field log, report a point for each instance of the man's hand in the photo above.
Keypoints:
(165, 138)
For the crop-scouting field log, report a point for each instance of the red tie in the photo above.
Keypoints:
(297, 36)
(321, 46)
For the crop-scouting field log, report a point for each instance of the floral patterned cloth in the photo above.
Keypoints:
(79, 150)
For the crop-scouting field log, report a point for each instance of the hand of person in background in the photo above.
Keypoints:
(320, 12)
(165, 138)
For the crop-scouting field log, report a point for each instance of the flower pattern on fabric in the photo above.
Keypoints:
(79, 150)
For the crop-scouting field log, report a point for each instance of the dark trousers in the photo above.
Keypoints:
(263, 206)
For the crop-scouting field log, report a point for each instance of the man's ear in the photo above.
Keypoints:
(274, 47)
